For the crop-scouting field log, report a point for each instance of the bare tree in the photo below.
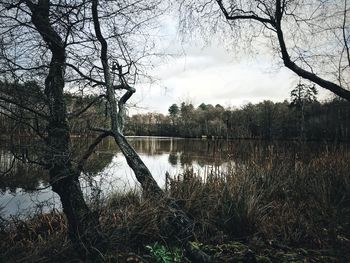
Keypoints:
(34, 46)
(311, 37)
(36, 43)
(89, 46)
(116, 72)
(117, 106)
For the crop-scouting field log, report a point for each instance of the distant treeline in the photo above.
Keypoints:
(302, 118)
(309, 120)
(23, 108)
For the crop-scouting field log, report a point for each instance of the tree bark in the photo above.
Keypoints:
(64, 178)
(142, 173)
(180, 221)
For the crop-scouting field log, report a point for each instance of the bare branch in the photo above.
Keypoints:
(345, 37)
(76, 69)
(244, 16)
(273, 22)
(81, 111)
(2, 98)
(91, 149)
(336, 89)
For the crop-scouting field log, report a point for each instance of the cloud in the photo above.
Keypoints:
(212, 74)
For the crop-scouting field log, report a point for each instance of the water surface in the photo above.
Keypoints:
(26, 189)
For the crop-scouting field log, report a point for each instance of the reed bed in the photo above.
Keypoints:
(276, 201)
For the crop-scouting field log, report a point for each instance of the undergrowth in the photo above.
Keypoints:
(279, 203)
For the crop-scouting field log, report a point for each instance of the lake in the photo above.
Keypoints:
(25, 189)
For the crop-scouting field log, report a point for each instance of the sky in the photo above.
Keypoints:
(210, 73)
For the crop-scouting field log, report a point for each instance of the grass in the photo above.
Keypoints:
(275, 209)
(293, 201)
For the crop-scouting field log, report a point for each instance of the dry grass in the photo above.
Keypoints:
(42, 238)
(277, 200)
(288, 200)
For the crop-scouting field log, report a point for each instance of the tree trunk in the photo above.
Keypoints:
(180, 220)
(82, 223)
(181, 224)
(143, 175)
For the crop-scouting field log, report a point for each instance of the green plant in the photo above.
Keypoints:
(162, 255)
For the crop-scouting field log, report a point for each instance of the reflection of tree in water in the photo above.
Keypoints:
(173, 158)
(214, 152)
(20, 174)
(30, 177)
(186, 159)
(27, 177)
(203, 152)
(152, 146)
(202, 162)
(101, 158)
(186, 152)
(190, 150)
(98, 162)
(218, 152)
(80, 145)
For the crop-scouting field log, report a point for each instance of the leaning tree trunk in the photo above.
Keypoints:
(82, 224)
(143, 175)
(179, 220)
(181, 224)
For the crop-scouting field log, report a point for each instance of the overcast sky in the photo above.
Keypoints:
(211, 74)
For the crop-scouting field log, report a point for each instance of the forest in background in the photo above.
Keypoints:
(300, 117)
(265, 120)
(283, 209)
